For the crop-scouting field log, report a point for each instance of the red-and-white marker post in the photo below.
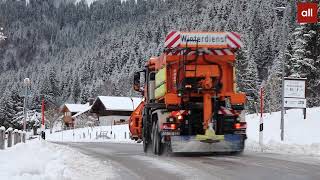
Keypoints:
(43, 133)
(261, 119)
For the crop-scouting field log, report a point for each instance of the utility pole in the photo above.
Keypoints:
(26, 85)
(282, 102)
(284, 39)
(284, 32)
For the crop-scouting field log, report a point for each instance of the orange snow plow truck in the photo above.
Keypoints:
(190, 100)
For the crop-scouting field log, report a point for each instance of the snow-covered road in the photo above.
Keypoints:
(131, 163)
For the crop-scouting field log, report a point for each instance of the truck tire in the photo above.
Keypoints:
(144, 142)
(145, 135)
(157, 146)
(153, 137)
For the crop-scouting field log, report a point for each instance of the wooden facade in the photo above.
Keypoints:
(114, 115)
(69, 110)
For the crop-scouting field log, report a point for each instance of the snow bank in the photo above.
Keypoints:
(43, 160)
(120, 133)
(301, 135)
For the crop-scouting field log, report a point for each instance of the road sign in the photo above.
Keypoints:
(295, 103)
(294, 96)
(223, 40)
(294, 88)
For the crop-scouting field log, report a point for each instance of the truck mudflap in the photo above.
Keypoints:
(189, 144)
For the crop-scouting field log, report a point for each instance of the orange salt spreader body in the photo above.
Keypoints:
(190, 97)
(135, 123)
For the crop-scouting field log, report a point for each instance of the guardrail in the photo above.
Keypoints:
(11, 137)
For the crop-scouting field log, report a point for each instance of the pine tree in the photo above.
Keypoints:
(11, 111)
(304, 59)
(66, 47)
(53, 83)
(251, 84)
(76, 89)
(84, 95)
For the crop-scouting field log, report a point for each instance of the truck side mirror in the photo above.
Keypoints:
(136, 81)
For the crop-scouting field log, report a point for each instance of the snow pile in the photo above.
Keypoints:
(301, 135)
(43, 160)
(120, 133)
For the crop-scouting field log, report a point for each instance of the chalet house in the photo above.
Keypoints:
(114, 110)
(70, 110)
(85, 118)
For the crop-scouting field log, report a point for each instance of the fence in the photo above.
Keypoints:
(11, 137)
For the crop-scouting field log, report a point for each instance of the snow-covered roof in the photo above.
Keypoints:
(77, 107)
(81, 112)
(119, 103)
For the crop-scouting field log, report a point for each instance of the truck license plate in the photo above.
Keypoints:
(170, 133)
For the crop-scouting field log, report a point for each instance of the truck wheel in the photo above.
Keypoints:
(145, 135)
(156, 139)
(145, 143)
(159, 147)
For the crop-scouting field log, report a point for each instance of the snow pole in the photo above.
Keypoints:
(261, 119)
(43, 133)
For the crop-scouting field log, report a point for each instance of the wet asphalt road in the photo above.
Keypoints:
(129, 162)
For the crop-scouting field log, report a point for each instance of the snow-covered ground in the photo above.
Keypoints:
(41, 160)
(301, 135)
(120, 133)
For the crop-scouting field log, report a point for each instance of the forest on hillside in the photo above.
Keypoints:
(73, 51)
